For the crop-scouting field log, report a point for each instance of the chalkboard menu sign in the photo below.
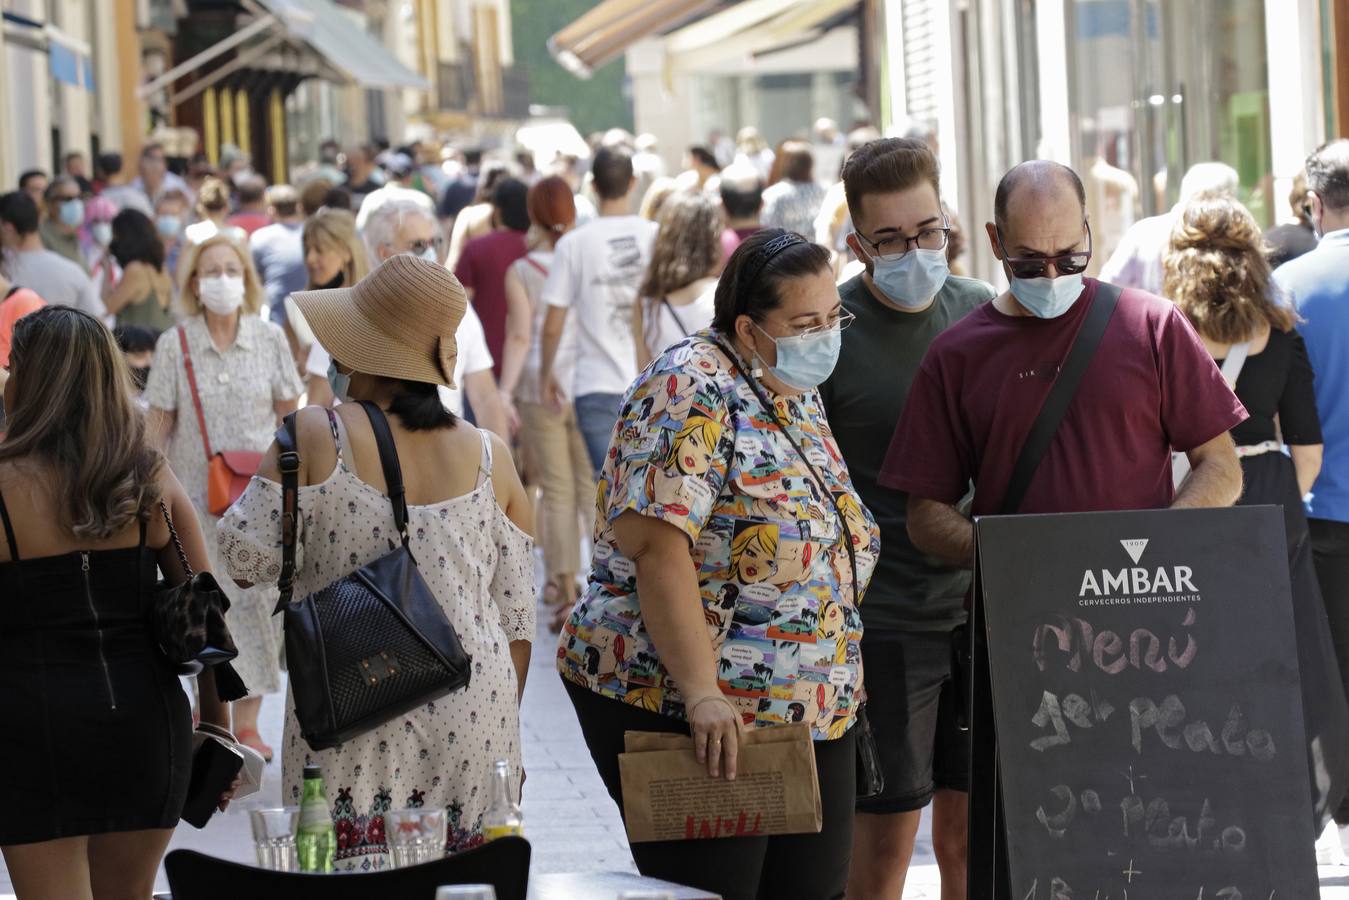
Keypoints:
(1145, 693)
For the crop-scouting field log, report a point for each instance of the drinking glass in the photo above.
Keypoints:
(466, 892)
(415, 836)
(274, 837)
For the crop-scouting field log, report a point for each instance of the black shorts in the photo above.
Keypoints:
(911, 704)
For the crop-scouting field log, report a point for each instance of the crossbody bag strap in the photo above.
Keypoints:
(9, 531)
(196, 397)
(288, 461)
(665, 302)
(1235, 362)
(388, 460)
(1060, 397)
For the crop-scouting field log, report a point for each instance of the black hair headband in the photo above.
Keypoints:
(764, 255)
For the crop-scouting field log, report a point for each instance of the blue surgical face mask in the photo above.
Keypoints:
(431, 255)
(169, 226)
(913, 279)
(1048, 298)
(72, 213)
(338, 381)
(805, 360)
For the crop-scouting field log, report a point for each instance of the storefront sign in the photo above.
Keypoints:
(1144, 687)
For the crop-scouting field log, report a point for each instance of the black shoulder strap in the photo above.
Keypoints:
(665, 301)
(289, 463)
(9, 531)
(1060, 395)
(388, 459)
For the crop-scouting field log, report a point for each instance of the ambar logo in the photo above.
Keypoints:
(1137, 580)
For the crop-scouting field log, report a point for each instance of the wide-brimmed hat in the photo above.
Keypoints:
(398, 322)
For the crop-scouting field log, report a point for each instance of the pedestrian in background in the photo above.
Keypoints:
(741, 191)
(483, 265)
(676, 297)
(793, 201)
(334, 256)
(27, 263)
(1294, 238)
(99, 741)
(251, 212)
(171, 211)
(213, 207)
(551, 446)
(96, 235)
(245, 382)
(278, 250)
(144, 292)
(60, 227)
(711, 524)
(34, 183)
(479, 217)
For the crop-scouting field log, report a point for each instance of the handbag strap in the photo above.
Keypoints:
(9, 531)
(1060, 397)
(1235, 362)
(388, 460)
(288, 460)
(196, 397)
(173, 535)
(665, 302)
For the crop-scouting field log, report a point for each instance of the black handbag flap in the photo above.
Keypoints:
(395, 579)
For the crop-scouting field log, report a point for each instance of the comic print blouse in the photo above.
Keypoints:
(695, 447)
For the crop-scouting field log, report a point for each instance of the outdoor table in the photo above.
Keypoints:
(606, 886)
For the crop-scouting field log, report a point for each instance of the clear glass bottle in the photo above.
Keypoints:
(503, 817)
(316, 840)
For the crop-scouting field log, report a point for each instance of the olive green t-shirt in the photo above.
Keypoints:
(863, 401)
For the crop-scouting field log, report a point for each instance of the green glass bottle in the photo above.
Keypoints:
(316, 840)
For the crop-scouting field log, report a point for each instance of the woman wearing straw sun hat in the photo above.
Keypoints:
(392, 341)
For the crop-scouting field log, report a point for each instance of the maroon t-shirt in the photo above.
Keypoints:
(1151, 387)
(482, 267)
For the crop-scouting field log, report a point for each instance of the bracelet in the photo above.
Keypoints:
(722, 697)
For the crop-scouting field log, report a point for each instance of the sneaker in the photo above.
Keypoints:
(1330, 848)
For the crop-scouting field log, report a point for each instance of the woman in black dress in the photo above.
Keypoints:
(98, 738)
(1216, 271)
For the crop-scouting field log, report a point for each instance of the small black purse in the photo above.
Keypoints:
(375, 643)
(188, 624)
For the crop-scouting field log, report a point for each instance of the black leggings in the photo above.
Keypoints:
(799, 866)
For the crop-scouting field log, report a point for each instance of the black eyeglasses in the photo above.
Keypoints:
(1035, 266)
(894, 246)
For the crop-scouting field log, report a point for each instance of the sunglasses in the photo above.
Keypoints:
(1035, 266)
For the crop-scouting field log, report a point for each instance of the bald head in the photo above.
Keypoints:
(1036, 183)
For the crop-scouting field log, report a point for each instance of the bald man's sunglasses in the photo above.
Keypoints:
(1035, 266)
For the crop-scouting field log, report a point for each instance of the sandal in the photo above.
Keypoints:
(251, 739)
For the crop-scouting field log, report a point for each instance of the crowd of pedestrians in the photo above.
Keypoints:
(756, 382)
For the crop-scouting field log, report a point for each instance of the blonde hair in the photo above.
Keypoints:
(73, 410)
(1216, 271)
(765, 535)
(335, 229)
(707, 429)
(213, 197)
(187, 271)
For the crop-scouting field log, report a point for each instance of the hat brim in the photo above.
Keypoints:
(350, 336)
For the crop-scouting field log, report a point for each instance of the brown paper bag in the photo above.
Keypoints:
(668, 795)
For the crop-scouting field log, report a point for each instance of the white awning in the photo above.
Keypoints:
(604, 32)
(364, 60)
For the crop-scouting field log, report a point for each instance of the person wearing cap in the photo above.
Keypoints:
(731, 556)
(245, 382)
(392, 338)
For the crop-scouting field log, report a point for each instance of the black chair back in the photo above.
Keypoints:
(503, 863)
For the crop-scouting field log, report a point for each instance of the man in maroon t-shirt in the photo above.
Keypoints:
(483, 265)
(1151, 388)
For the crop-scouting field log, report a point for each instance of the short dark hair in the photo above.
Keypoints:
(73, 154)
(150, 148)
(612, 171)
(19, 210)
(134, 239)
(55, 185)
(109, 163)
(337, 198)
(312, 195)
(251, 189)
(1040, 172)
(742, 199)
(886, 166)
(473, 156)
(135, 338)
(1328, 174)
(510, 199)
(418, 406)
(751, 286)
(29, 176)
(798, 161)
(703, 156)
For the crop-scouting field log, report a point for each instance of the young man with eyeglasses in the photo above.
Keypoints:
(905, 298)
(1150, 388)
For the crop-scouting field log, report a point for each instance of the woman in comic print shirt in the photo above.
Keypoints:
(730, 555)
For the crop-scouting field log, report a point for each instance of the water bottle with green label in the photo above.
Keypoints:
(316, 840)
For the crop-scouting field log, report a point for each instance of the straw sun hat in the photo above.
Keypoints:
(397, 322)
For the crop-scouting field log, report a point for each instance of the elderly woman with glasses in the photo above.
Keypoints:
(731, 553)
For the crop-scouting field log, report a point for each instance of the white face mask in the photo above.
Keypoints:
(222, 295)
(101, 232)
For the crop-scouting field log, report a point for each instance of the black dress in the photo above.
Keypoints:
(98, 732)
(1278, 382)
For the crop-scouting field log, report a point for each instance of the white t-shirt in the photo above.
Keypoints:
(671, 324)
(597, 269)
(473, 357)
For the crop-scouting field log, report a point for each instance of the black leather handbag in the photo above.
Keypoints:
(374, 644)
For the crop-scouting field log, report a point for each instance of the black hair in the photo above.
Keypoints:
(338, 198)
(703, 156)
(109, 163)
(510, 199)
(19, 210)
(135, 338)
(27, 176)
(751, 284)
(1038, 172)
(742, 204)
(135, 239)
(418, 406)
(473, 157)
(612, 171)
(1328, 174)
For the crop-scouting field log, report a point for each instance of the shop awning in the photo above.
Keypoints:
(365, 62)
(608, 29)
(69, 59)
(750, 28)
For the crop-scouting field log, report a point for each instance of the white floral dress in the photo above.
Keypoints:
(480, 567)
